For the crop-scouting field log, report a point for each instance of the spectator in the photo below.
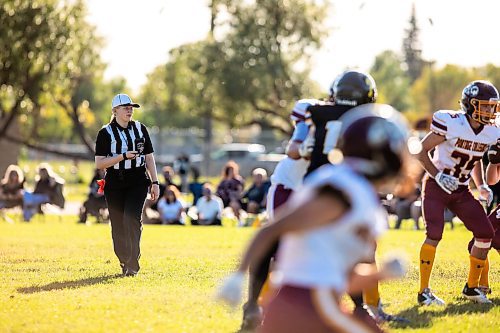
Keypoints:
(254, 199)
(209, 208)
(405, 196)
(181, 165)
(195, 187)
(96, 202)
(48, 189)
(230, 188)
(11, 188)
(170, 207)
(168, 175)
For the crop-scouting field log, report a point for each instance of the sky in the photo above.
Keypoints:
(139, 34)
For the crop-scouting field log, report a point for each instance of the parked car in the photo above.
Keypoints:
(248, 156)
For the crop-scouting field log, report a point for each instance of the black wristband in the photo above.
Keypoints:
(155, 182)
(125, 156)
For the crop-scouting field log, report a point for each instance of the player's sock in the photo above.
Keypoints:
(483, 279)
(371, 296)
(475, 269)
(358, 300)
(427, 255)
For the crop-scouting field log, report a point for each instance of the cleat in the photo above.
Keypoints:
(485, 289)
(475, 294)
(381, 316)
(252, 317)
(426, 297)
(364, 315)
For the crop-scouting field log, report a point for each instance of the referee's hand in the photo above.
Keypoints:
(130, 155)
(154, 192)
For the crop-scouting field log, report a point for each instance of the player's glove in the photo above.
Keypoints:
(231, 289)
(446, 182)
(306, 147)
(494, 153)
(394, 268)
(485, 194)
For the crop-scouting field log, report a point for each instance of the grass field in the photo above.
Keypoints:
(59, 276)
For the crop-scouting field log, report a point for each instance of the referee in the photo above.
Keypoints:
(124, 149)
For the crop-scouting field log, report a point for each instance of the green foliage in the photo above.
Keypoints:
(412, 50)
(392, 81)
(51, 72)
(66, 277)
(244, 75)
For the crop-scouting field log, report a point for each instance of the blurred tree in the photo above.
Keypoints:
(439, 89)
(393, 84)
(49, 62)
(412, 50)
(267, 51)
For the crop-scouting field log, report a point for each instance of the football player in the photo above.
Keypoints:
(349, 89)
(328, 227)
(287, 176)
(459, 140)
(492, 177)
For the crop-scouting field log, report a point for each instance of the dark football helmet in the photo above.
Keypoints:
(480, 100)
(373, 140)
(353, 88)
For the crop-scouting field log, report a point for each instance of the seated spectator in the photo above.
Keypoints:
(48, 189)
(11, 188)
(230, 188)
(96, 202)
(254, 199)
(181, 166)
(209, 208)
(195, 187)
(149, 213)
(170, 207)
(405, 196)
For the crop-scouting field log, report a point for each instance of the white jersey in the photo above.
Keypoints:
(463, 147)
(324, 256)
(300, 109)
(290, 172)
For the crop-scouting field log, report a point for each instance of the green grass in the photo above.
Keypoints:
(59, 276)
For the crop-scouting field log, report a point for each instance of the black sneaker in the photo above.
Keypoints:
(252, 317)
(475, 294)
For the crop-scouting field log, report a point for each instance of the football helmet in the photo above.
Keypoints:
(480, 100)
(353, 88)
(373, 140)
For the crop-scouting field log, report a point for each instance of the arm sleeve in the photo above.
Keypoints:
(300, 132)
(103, 144)
(148, 145)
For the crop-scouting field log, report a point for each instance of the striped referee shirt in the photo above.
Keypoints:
(113, 140)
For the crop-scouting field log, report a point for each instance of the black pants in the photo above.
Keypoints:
(125, 209)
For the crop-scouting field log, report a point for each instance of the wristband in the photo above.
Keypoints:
(155, 182)
(124, 156)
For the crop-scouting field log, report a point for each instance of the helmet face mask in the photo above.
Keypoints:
(480, 100)
(485, 112)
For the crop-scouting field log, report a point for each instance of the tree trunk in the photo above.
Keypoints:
(207, 144)
(9, 150)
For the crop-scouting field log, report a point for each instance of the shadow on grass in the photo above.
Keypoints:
(68, 284)
(422, 317)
